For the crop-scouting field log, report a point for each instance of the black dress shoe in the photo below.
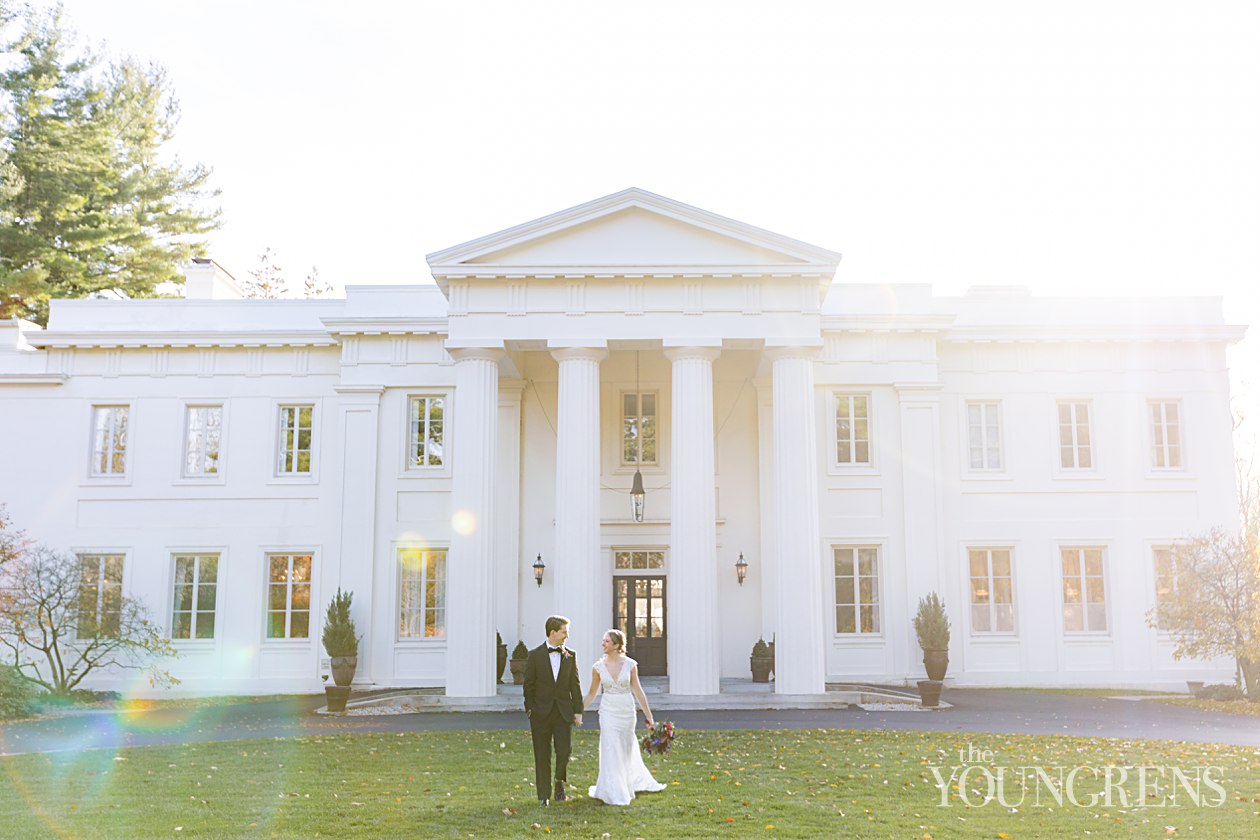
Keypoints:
(560, 794)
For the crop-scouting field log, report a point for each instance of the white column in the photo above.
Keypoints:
(576, 566)
(359, 408)
(692, 586)
(470, 574)
(800, 654)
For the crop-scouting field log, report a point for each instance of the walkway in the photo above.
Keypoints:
(1018, 712)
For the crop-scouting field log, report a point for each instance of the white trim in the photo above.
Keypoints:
(978, 545)
(1071, 473)
(106, 479)
(220, 474)
(313, 628)
(317, 428)
(1182, 468)
(836, 467)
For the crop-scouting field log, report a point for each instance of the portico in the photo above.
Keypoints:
(635, 273)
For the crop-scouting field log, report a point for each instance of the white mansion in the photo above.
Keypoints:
(233, 462)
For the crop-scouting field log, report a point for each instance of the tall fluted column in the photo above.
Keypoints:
(692, 593)
(577, 561)
(470, 645)
(800, 654)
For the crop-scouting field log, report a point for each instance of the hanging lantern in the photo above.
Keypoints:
(638, 497)
(741, 568)
(539, 568)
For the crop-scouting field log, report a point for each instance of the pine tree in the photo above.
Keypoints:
(88, 202)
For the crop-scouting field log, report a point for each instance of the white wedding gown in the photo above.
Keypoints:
(622, 772)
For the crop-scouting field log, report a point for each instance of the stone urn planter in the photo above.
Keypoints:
(760, 662)
(935, 662)
(343, 668)
(519, 654)
(930, 693)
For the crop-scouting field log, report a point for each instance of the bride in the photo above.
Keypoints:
(622, 772)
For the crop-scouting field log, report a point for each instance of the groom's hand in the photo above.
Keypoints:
(577, 720)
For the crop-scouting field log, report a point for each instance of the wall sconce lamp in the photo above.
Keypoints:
(638, 496)
(539, 568)
(741, 568)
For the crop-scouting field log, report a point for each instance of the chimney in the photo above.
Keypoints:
(205, 279)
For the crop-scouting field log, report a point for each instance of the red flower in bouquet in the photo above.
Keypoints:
(658, 738)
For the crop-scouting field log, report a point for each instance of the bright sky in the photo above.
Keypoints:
(1073, 147)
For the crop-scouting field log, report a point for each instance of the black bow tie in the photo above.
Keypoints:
(553, 650)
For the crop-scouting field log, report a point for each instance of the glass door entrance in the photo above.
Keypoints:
(639, 612)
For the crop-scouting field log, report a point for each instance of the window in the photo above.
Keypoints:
(638, 428)
(296, 428)
(638, 560)
(422, 602)
(853, 429)
(202, 440)
(857, 590)
(984, 436)
(196, 585)
(1075, 450)
(1166, 573)
(1166, 435)
(1084, 595)
(109, 439)
(992, 598)
(425, 439)
(289, 596)
(100, 595)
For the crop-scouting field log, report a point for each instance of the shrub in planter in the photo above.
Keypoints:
(519, 654)
(931, 625)
(759, 662)
(340, 640)
(17, 696)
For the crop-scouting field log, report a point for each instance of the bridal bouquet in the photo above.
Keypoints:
(658, 738)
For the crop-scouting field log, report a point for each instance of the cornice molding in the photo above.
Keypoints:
(136, 339)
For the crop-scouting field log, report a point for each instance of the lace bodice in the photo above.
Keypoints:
(620, 685)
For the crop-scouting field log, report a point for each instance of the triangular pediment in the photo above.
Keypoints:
(633, 231)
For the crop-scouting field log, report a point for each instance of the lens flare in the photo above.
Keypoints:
(464, 522)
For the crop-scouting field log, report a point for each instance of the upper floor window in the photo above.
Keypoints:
(422, 595)
(425, 436)
(202, 440)
(853, 429)
(984, 435)
(1075, 440)
(109, 439)
(100, 595)
(857, 589)
(1166, 434)
(992, 597)
(194, 597)
(296, 437)
(638, 428)
(289, 596)
(1084, 591)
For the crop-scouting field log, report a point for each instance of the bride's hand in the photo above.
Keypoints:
(648, 721)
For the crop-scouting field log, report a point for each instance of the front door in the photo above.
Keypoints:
(639, 612)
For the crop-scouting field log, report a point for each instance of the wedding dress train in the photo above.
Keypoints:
(622, 772)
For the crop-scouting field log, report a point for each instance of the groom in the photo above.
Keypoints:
(553, 701)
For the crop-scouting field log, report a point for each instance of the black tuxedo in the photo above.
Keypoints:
(551, 702)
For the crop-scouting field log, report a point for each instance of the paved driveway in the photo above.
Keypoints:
(1018, 712)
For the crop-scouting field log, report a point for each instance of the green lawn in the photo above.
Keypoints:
(478, 784)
